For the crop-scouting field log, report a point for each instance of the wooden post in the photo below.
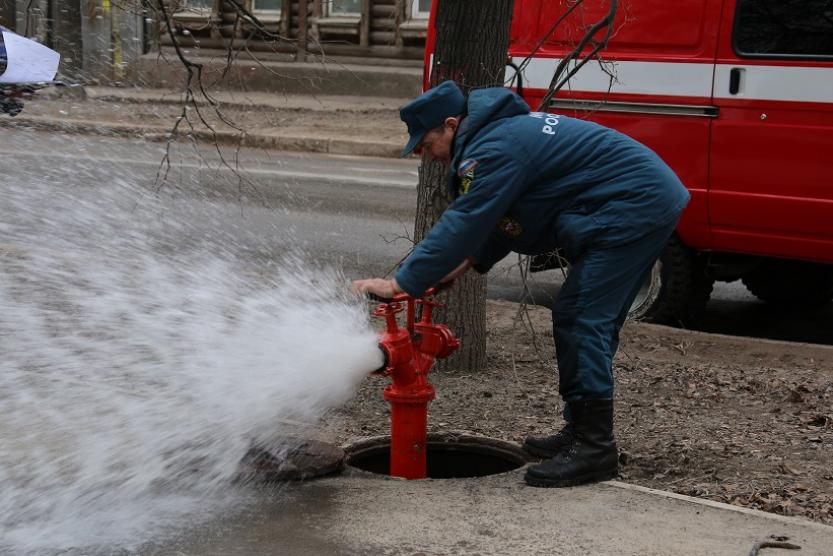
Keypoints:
(399, 17)
(218, 14)
(317, 14)
(286, 17)
(303, 10)
(364, 25)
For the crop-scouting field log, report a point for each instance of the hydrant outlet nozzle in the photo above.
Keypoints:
(383, 369)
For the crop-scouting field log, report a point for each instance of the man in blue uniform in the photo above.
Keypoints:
(531, 182)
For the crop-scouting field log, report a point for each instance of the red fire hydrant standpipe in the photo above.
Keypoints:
(409, 354)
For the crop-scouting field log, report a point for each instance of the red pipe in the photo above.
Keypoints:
(409, 354)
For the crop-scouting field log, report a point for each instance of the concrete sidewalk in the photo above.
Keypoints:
(358, 513)
(348, 125)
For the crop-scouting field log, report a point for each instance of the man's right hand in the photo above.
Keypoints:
(379, 287)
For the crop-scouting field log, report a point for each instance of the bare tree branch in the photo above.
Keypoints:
(558, 79)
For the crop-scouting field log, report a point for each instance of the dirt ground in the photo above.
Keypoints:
(738, 420)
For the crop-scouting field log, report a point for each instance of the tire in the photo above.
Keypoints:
(791, 282)
(676, 290)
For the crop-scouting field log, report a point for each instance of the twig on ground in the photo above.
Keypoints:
(772, 544)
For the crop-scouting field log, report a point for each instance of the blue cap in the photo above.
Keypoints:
(429, 110)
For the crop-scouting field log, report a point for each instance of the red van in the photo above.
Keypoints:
(737, 97)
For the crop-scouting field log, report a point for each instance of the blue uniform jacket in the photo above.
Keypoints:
(530, 182)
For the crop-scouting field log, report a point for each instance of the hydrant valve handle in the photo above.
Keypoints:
(428, 309)
(404, 296)
(388, 311)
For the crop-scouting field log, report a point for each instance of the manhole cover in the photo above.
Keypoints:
(448, 456)
(292, 459)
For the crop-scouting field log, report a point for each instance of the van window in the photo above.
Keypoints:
(774, 28)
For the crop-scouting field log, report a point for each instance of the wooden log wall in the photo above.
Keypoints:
(378, 31)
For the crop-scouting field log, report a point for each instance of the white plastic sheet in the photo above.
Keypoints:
(28, 61)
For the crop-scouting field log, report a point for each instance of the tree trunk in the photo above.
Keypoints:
(472, 43)
(33, 20)
(96, 43)
(8, 14)
(67, 38)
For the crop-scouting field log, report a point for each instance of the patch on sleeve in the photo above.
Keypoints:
(466, 173)
(466, 168)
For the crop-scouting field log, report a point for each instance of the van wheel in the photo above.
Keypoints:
(677, 289)
(791, 282)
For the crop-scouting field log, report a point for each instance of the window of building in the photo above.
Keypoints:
(420, 9)
(343, 7)
(784, 28)
(196, 5)
(267, 6)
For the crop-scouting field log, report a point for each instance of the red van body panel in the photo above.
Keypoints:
(771, 184)
(758, 161)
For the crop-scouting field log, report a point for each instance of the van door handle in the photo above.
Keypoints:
(734, 80)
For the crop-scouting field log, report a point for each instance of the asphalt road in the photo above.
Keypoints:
(352, 212)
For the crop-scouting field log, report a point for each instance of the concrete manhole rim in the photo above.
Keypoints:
(490, 446)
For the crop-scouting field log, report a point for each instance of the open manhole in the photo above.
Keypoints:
(449, 456)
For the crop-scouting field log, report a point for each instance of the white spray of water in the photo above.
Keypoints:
(133, 379)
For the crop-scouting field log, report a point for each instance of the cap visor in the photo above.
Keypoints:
(412, 144)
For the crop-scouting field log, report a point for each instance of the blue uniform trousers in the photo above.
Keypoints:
(592, 306)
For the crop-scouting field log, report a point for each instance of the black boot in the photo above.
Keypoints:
(549, 446)
(591, 456)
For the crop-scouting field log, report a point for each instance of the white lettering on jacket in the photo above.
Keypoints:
(551, 120)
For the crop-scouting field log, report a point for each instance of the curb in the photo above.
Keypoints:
(293, 143)
(723, 506)
(251, 100)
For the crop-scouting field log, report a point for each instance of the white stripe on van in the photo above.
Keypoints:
(646, 78)
(684, 79)
(792, 83)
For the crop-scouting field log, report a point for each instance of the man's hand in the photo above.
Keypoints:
(380, 287)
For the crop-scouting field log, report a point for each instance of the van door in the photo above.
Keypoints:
(654, 82)
(771, 167)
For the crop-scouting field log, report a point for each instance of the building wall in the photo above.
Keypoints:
(384, 28)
